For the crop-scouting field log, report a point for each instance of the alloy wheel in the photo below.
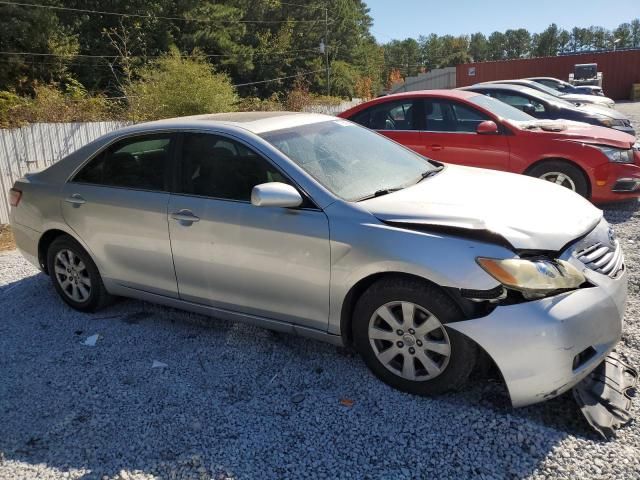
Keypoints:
(559, 178)
(72, 276)
(409, 341)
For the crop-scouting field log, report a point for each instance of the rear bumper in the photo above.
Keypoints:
(26, 241)
(545, 347)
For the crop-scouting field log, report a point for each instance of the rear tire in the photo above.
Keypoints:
(399, 330)
(562, 173)
(75, 276)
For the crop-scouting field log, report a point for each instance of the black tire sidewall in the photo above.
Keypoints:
(576, 175)
(97, 289)
(433, 299)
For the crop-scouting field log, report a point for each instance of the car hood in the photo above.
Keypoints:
(594, 109)
(579, 132)
(530, 214)
(591, 99)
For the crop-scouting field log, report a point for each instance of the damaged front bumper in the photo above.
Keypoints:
(545, 347)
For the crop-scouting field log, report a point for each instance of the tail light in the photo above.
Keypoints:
(14, 197)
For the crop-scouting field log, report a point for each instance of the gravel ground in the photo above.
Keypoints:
(236, 401)
(233, 401)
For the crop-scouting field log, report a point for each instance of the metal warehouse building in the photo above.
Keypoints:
(621, 69)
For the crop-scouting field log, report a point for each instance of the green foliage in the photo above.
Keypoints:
(175, 86)
(51, 103)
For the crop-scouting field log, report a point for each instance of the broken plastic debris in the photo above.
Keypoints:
(157, 364)
(347, 402)
(605, 395)
(91, 341)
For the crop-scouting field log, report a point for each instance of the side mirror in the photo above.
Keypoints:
(528, 108)
(487, 128)
(275, 194)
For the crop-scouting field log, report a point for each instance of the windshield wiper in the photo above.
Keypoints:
(430, 173)
(379, 193)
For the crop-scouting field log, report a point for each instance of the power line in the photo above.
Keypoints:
(149, 16)
(277, 79)
(82, 55)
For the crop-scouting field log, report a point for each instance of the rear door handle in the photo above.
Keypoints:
(76, 200)
(185, 217)
(435, 148)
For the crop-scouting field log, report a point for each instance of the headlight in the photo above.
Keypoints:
(617, 155)
(611, 122)
(534, 278)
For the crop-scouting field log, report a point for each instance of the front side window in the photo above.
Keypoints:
(219, 167)
(449, 116)
(352, 162)
(139, 162)
(398, 115)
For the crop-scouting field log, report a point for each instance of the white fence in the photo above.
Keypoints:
(39, 145)
(439, 78)
(333, 109)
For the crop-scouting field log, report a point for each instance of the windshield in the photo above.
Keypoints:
(501, 109)
(543, 88)
(352, 162)
(550, 98)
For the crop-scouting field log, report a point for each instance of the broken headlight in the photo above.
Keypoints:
(535, 278)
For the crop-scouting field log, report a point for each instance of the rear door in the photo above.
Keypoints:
(117, 204)
(450, 135)
(397, 119)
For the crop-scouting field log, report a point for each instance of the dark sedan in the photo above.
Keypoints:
(540, 105)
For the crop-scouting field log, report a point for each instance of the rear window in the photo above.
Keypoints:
(139, 163)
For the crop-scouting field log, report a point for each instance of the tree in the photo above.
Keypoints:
(635, 32)
(517, 43)
(175, 86)
(496, 47)
(39, 31)
(478, 47)
(546, 44)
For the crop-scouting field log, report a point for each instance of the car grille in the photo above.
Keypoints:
(602, 258)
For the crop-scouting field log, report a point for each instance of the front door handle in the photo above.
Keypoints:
(76, 200)
(435, 147)
(185, 217)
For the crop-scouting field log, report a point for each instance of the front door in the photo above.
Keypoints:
(266, 261)
(117, 205)
(450, 136)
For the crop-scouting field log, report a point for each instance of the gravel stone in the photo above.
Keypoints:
(225, 408)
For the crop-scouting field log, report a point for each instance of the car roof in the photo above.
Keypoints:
(502, 86)
(515, 81)
(427, 93)
(256, 122)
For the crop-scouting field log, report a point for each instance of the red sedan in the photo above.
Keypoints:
(471, 129)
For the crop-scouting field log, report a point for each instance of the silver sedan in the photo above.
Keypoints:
(312, 225)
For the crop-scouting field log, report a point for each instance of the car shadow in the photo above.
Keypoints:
(231, 400)
(621, 212)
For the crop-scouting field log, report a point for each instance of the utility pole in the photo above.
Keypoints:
(326, 48)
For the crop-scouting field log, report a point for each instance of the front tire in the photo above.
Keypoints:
(399, 330)
(563, 174)
(75, 276)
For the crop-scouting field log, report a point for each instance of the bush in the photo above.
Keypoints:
(50, 103)
(255, 104)
(176, 86)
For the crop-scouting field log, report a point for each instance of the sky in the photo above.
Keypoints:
(410, 18)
